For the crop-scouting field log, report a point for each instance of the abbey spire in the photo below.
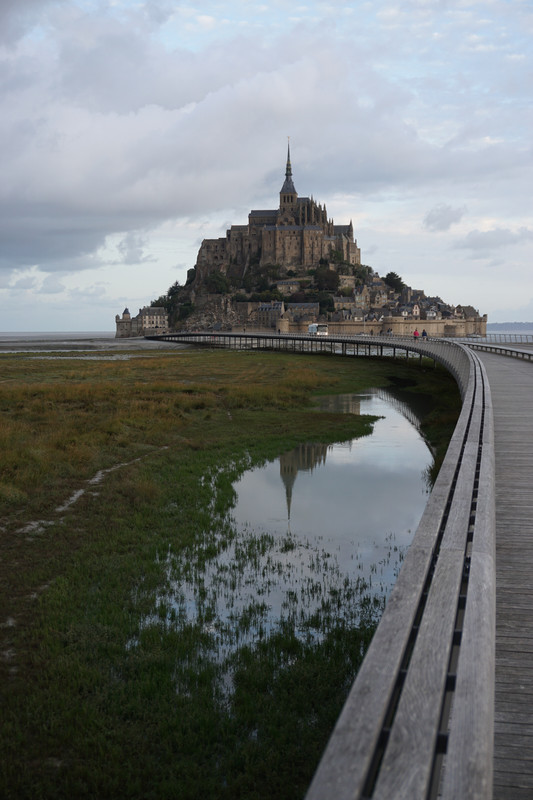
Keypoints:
(288, 195)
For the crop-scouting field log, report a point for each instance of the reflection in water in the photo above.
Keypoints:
(302, 459)
(353, 498)
(315, 540)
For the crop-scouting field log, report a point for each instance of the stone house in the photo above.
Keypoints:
(150, 319)
(362, 298)
(288, 287)
(268, 314)
(344, 304)
(346, 281)
(299, 312)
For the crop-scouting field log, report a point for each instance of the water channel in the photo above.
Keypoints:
(314, 539)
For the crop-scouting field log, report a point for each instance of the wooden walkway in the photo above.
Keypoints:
(423, 699)
(511, 384)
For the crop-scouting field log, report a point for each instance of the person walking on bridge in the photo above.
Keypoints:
(416, 334)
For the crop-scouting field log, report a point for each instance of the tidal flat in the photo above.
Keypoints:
(116, 481)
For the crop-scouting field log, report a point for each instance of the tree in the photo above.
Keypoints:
(394, 281)
(326, 279)
(298, 297)
(217, 283)
(184, 311)
(174, 290)
(161, 302)
(326, 302)
(361, 274)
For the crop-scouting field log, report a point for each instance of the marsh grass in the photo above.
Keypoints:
(108, 689)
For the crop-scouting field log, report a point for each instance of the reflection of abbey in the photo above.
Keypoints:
(303, 458)
(298, 235)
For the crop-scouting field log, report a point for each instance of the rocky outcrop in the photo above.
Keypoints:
(213, 312)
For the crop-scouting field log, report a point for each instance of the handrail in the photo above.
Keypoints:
(502, 350)
(419, 719)
(440, 350)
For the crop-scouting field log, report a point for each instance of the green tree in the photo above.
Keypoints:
(361, 274)
(394, 281)
(174, 290)
(217, 283)
(184, 310)
(298, 297)
(326, 279)
(326, 302)
(161, 302)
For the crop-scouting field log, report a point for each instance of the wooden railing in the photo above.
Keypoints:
(502, 350)
(418, 722)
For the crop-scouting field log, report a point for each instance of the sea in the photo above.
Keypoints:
(75, 341)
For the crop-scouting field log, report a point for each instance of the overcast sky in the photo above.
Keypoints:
(132, 129)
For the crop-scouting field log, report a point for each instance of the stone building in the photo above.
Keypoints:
(268, 314)
(150, 319)
(297, 236)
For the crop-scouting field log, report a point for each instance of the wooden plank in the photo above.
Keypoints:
(469, 759)
(345, 764)
(416, 724)
(511, 385)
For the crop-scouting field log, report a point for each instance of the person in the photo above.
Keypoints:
(416, 334)
(424, 334)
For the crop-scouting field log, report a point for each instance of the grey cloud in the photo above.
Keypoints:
(442, 216)
(24, 283)
(64, 241)
(51, 285)
(486, 241)
(132, 249)
(18, 16)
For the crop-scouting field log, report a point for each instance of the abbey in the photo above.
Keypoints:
(297, 236)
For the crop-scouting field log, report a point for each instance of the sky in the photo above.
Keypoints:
(130, 130)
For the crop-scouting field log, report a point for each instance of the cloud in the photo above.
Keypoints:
(118, 118)
(132, 249)
(24, 283)
(442, 216)
(487, 241)
(18, 16)
(51, 285)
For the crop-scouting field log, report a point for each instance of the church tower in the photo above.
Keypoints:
(288, 197)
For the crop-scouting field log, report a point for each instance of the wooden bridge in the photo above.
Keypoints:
(442, 706)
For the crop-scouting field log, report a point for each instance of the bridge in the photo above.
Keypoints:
(442, 706)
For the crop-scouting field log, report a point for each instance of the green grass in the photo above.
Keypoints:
(104, 694)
